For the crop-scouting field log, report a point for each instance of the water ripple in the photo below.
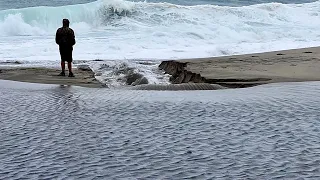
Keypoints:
(58, 132)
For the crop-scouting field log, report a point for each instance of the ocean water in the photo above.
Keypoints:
(126, 32)
(61, 132)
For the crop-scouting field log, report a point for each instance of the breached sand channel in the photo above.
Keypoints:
(295, 65)
(237, 71)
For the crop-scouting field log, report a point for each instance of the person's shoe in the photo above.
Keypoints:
(71, 74)
(62, 74)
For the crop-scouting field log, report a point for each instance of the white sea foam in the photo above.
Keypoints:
(121, 30)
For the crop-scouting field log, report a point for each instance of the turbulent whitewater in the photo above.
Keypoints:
(126, 30)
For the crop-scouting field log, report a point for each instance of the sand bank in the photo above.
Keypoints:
(229, 71)
(247, 70)
(83, 78)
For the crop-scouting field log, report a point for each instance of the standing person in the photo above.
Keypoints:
(65, 39)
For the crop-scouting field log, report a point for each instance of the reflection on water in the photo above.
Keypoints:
(56, 132)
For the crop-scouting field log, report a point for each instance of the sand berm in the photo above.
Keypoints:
(236, 71)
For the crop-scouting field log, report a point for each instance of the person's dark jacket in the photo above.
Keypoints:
(65, 37)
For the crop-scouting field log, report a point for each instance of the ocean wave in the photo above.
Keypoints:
(41, 20)
(38, 20)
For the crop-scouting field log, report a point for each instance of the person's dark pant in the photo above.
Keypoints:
(66, 54)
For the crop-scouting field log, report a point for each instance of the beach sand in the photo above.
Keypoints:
(252, 69)
(280, 66)
(83, 78)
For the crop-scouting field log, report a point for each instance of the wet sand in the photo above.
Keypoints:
(280, 66)
(83, 78)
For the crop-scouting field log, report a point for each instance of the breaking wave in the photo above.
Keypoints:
(38, 20)
(217, 20)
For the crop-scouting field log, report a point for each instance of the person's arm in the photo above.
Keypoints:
(73, 38)
(57, 37)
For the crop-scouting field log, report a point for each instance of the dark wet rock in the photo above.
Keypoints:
(140, 81)
(17, 62)
(132, 77)
(144, 80)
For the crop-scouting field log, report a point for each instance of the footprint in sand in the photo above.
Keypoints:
(280, 54)
(308, 52)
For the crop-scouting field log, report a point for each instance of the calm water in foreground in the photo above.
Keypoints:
(56, 132)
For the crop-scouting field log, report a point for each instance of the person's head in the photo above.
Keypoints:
(65, 23)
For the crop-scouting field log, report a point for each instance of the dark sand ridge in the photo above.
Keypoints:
(232, 71)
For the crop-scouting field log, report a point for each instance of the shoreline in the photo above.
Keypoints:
(237, 71)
